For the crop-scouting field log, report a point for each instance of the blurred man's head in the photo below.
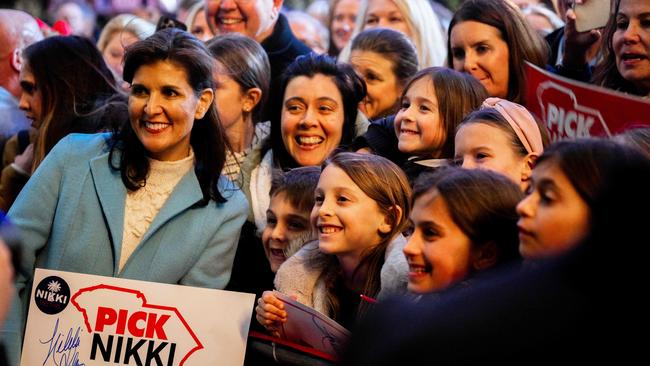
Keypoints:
(17, 31)
(252, 18)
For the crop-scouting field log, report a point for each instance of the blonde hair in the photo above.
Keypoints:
(133, 24)
(425, 28)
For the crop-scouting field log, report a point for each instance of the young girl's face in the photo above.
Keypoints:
(230, 99)
(553, 218)
(347, 220)
(482, 146)
(438, 252)
(284, 224)
(417, 124)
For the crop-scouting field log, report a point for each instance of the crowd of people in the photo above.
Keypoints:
(348, 151)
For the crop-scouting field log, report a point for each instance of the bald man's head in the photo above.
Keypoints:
(17, 31)
(20, 27)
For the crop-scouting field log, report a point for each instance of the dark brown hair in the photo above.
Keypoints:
(458, 94)
(606, 73)
(481, 202)
(75, 85)
(297, 185)
(207, 137)
(524, 44)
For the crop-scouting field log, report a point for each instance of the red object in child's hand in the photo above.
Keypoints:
(368, 299)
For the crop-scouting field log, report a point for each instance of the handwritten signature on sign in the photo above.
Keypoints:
(63, 351)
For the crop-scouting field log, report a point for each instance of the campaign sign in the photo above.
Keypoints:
(78, 319)
(572, 109)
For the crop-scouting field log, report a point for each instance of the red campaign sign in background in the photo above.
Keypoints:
(572, 109)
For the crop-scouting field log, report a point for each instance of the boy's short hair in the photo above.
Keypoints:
(297, 184)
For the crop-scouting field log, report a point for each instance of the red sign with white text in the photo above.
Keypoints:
(572, 109)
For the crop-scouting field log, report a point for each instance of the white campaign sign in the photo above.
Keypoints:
(78, 319)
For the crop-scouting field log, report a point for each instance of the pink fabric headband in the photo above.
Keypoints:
(521, 121)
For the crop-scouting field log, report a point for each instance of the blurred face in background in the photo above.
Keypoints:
(383, 89)
(114, 52)
(343, 20)
(385, 14)
(252, 18)
(308, 32)
(72, 14)
(200, 26)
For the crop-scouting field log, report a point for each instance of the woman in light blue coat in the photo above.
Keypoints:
(147, 201)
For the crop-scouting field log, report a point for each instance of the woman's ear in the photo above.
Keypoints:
(485, 256)
(527, 168)
(391, 219)
(205, 99)
(251, 98)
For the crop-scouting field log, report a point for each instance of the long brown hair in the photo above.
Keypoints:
(75, 84)
(606, 73)
(208, 139)
(384, 182)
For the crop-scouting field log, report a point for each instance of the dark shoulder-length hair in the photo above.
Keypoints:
(74, 81)
(485, 215)
(349, 84)
(606, 73)
(457, 93)
(207, 137)
(588, 163)
(245, 61)
(524, 44)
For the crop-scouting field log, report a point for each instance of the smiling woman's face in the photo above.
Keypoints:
(479, 50)
(312, 119)
(163, 107)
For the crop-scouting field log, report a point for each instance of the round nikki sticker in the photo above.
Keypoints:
(52, 295)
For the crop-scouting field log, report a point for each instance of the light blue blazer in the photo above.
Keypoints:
(71, 215)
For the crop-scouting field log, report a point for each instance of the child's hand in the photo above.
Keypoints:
(270, 313)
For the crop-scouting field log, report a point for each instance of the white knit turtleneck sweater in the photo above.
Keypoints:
(143, 205)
